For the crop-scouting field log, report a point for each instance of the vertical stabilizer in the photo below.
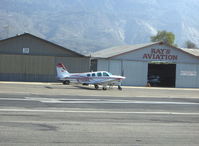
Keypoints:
(61, 71)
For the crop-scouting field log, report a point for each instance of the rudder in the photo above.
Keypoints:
(61, 71)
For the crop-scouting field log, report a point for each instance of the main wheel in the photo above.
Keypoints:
(66, 82)
(104, 88)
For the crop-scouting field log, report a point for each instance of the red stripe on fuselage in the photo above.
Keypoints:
(83, 77)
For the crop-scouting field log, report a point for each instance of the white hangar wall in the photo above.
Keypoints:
(187, 75)
(135, 72)
(134, 65)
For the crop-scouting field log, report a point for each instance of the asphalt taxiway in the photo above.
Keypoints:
(54, 114)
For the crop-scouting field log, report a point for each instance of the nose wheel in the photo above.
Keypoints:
(119, 87)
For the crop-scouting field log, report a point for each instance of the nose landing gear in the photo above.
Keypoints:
(119, 87)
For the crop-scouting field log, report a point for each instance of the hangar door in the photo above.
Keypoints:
(187, 75)
(162, 75)
(135, 73)
(27, 68)
(115, 67)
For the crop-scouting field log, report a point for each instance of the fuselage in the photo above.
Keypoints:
(99, 77)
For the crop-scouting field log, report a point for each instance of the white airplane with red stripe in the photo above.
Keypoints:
(103, 78)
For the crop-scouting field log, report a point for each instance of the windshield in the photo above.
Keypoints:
(109, 73)
(106, 74)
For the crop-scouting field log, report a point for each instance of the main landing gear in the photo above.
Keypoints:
(96, 87)
(105, 87)
(66, 82)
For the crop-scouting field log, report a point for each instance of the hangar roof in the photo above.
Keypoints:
(43, 40)
(119, 50)
(194, 52)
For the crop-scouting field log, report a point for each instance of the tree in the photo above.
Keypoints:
(164, 36)
(190, 44)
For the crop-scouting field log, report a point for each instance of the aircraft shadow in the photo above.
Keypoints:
(84, 87)
(71, 87)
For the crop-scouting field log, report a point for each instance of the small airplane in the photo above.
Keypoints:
(103, 78)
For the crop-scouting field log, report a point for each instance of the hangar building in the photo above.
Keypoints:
(29, 58)
(157, 64)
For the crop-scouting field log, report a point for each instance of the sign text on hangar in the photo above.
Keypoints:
(160, 54)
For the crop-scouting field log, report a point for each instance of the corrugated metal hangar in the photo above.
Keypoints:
(29, 58)
(154, 64)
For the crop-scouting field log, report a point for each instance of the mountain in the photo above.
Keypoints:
(90, 25)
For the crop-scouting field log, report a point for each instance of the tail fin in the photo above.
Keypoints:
(61, 71)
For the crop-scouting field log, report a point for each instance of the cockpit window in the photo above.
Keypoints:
(99, 74)
(88, 75)
(105, 74)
